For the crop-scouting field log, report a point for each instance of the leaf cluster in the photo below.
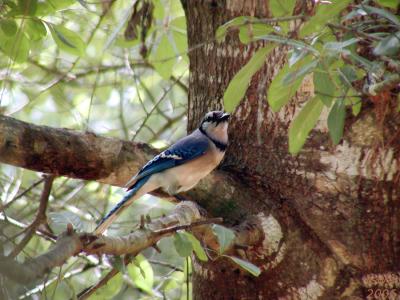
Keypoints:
(346, 48)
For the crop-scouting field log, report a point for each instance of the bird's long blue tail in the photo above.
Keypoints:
(121, 205)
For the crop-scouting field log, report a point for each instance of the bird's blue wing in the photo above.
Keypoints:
(186, 149)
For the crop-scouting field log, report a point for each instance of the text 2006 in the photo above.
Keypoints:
(382, 294)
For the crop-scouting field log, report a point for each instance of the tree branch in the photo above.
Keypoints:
(71, 243)
(253, 232)
(70, 153)
(85, 155)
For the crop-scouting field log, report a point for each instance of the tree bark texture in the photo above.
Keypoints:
(338, 207)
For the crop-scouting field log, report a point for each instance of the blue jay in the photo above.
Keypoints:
(180, 167)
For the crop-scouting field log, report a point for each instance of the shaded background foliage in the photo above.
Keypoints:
(68, 64)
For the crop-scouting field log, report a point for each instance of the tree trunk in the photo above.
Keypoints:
(335, 208)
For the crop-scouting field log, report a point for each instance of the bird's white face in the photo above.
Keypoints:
(215, 124)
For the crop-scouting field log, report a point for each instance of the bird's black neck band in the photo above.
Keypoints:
(219, 145)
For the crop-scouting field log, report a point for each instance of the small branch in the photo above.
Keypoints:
(188, 226)
(167, 125)
(67, 245)
(280, 19)
(40, 217)
(355, 31)
(35, 184)
(166, 91)
(165, 264)
(85, 294)
(44, 234)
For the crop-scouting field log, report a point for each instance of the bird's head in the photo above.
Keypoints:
(215, 125)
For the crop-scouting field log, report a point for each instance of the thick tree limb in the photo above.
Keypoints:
(70, 153)
(85, 155)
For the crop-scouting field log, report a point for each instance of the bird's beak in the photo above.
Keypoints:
(225, 117)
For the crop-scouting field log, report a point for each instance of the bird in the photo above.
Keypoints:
(180, 167)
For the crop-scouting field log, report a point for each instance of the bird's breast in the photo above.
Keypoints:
(186, 176)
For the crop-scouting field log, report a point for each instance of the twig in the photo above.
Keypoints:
(154, 108)
(167, 125)
(188, 226)
(121, 115)
(35, 184)
(355, 31)
(50, 281)
(89, 291)
(44, 234)
(40, 217)
(280, 19)
(165, 264)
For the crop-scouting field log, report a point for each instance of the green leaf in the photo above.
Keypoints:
(325, 12)
(336, 120)
(35, 29)
(355, 105)
(323, 84)
(197, 248)
(389, 46)
(142, 274)
(281, 8)
(44, 9)
(250, 29)
(164, 58)
(340, 46)
(9, 27)
(389, 3)
(384, 13)
(303, 124)
(349, 73)
(365, 63)
(251, 32)
(61, 4)
(179, 36)
(224, 235)
(178, 24)
(223, 29)
(182, 244)
(279, 94)
(109, 290)
(246, 265)
(16, 48)
(117, 29)
(291, 77)
(27, 7)
(68, 40)
(286, 41)
(240, 82)
(119, 264)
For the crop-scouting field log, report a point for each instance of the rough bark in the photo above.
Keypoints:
(70, 153)
(338, 206)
